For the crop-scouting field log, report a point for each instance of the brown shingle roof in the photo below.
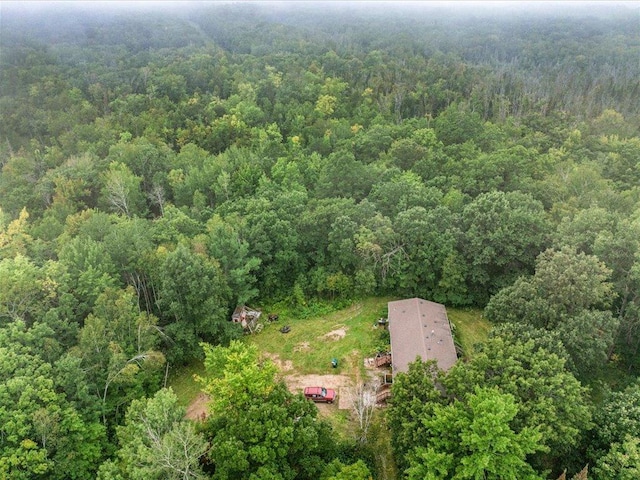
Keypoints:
(420, 328)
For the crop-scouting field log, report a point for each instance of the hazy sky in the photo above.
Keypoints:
(480, 8)
(121, 4)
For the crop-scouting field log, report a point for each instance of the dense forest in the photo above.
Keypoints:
(162, 164)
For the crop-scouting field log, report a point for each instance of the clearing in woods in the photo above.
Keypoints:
(304, 355)
(304, 358)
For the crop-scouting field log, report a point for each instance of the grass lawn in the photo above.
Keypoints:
(313, 342)
(182, 382)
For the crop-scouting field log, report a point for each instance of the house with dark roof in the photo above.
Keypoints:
(420, 328)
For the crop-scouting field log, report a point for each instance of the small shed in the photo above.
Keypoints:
(248, 318)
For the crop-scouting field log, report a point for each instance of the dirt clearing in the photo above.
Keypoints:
(283, 365)
(296, 383)
(197, 409)
(340, 383)
(336, 334)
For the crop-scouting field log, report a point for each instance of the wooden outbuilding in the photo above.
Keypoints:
(248, 318)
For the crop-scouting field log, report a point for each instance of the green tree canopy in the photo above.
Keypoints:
(257, 428)
(474, 438)
(157, 442)
(568, 295)
(502, 235)
(193, 298)
(414, 398)
(41, 433)
(547, 395)
(622, 461)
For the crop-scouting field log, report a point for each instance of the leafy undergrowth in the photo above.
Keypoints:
(379, 438)
(470, 327)
(341, 423)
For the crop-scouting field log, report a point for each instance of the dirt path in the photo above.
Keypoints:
(197, 409)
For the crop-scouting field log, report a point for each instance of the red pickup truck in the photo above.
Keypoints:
(320, 394)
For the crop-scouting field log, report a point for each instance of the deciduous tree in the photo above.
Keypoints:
(193, 299)
(502, 235)
(257, 428)
(414, 397)
(568, 294)
(475, 438)
(122, 192)
(547, 395)
(157, 442)
(41, 433)
(622, 461)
